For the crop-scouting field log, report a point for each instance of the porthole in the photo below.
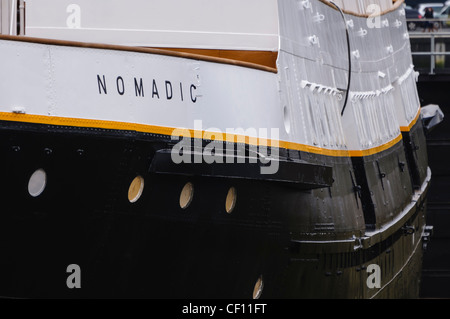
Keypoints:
(136, 188)
(37, 183)
(230, 201)
(258, 289)
(186, 196)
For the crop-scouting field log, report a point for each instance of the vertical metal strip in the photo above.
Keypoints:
(349, 57)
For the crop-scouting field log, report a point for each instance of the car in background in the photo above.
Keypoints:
(437, 7)
(412, 19)
(443, 14)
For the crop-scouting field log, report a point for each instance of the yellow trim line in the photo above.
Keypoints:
(143, 128)
(408, 128)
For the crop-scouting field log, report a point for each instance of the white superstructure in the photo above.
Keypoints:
(234, 24)
(304, 96)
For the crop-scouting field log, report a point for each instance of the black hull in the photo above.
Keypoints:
(300, 236)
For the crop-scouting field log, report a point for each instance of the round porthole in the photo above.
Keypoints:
(230, 201)
(258, 289)
(136, 189)
(37, 183)
(186, 196)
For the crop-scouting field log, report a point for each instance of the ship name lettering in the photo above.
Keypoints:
(159, 89)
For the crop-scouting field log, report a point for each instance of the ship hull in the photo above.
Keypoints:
(155, 249)
(151, 173)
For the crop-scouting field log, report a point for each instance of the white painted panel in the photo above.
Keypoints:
(25, 77)
(231, 24)
(55, 77)
(64, 82)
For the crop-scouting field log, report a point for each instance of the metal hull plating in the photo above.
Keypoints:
(155, 249)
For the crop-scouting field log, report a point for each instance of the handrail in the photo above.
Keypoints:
(427, 19)
(440, 34)
(432, 53)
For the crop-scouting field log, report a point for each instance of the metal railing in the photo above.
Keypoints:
(436, 30)
(433, 53)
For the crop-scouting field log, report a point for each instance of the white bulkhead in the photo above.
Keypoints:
(304, 97)
(205, 24)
